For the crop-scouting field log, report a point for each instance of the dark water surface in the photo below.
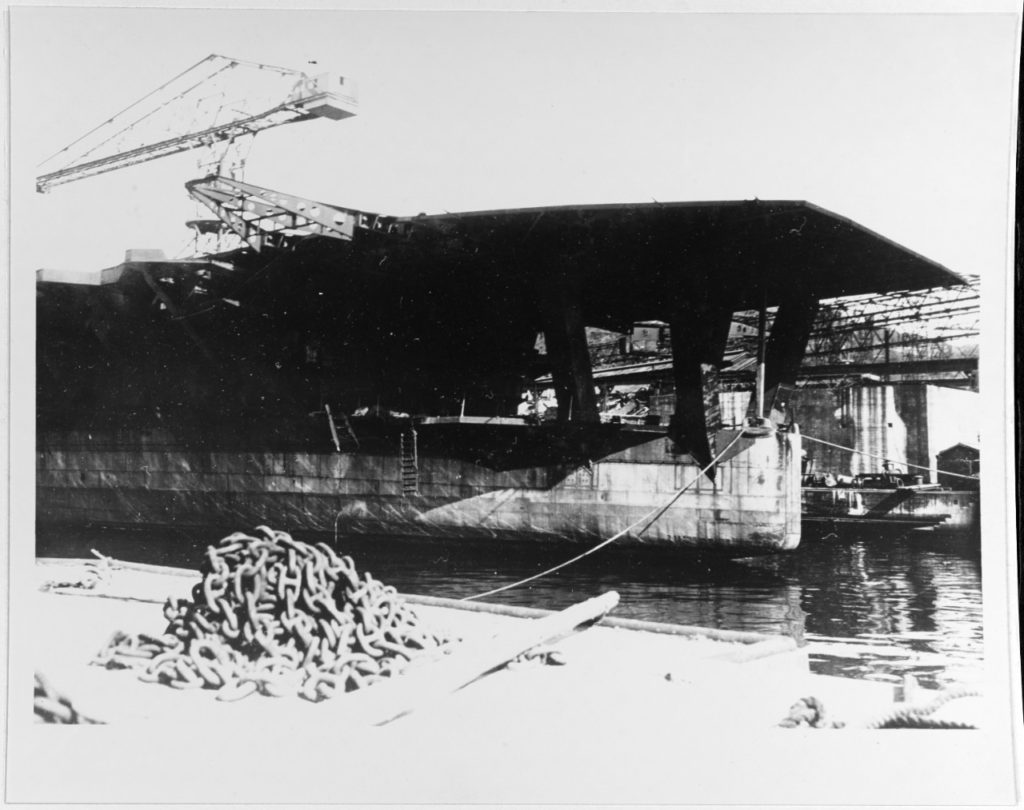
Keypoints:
(875, 608)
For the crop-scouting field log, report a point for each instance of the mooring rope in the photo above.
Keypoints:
(917, 716)
(651, 517)
(889, 460)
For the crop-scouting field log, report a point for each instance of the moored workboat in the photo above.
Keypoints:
(886, 505)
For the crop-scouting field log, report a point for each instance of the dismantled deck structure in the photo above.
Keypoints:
(345, 334)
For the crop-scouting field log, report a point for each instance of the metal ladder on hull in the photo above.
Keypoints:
(409, 457)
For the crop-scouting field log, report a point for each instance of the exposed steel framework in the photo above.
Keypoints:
(262, 217)
(217, 101)
(905, 326)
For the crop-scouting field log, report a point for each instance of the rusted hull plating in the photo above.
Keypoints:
(752, 506)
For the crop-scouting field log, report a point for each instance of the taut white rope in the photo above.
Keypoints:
(653, 515)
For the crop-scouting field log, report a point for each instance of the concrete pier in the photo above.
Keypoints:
(629, 717)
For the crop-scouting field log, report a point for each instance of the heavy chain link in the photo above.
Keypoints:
(96, 571)
(809, 712)
(919, 716)
(277, 616)
(50, 706)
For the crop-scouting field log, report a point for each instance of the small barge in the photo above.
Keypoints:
(887, 504)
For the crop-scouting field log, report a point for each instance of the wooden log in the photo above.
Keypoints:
(638, 625)
(762, 649)
(389, 700)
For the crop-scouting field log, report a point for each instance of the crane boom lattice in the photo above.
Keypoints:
(216, 101)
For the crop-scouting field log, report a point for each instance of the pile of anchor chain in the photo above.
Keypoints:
(277, 616)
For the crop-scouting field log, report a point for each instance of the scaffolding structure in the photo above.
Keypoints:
(923, 336)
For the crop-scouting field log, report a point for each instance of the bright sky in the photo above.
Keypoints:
(900, 122)
(903, 123)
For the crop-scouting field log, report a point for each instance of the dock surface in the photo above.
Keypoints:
(621, 698)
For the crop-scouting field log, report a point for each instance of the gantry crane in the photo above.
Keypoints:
(217, 101)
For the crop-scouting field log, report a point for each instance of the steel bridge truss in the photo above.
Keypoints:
(905, 326)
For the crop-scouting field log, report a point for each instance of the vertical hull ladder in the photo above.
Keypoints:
(409, 455)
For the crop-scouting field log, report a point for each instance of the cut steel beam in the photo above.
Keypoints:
(263, 217)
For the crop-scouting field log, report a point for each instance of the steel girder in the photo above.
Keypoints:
(263, 217)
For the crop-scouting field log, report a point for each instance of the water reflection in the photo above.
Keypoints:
(875, 609)
(881, 609)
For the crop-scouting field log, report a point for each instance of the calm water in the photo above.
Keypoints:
(874, 608)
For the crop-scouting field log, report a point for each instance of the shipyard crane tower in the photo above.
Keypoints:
(219, 102)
